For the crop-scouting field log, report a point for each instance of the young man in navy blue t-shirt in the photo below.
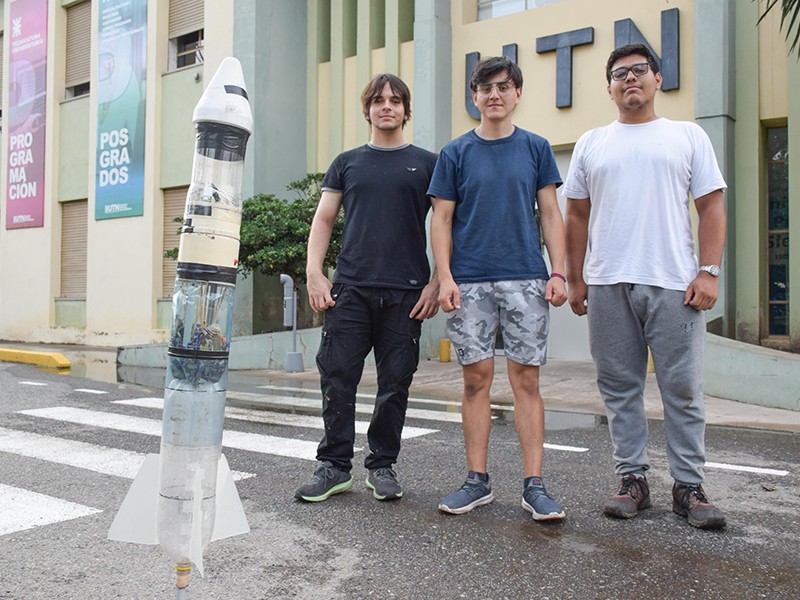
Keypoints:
(492, 274)
(380, 293)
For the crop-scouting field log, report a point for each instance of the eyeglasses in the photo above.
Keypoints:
(638, 69)
(503, 87)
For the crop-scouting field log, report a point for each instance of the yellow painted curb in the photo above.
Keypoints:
(42, 359)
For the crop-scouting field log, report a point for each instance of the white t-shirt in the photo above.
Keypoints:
(638, 179)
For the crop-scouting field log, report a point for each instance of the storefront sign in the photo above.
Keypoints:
(625, 32)
(27, 90)
(122, 60)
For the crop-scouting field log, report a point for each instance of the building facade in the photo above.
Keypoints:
(102, 91)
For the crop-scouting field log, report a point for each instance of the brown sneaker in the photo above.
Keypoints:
(633, 496)
(690, 501)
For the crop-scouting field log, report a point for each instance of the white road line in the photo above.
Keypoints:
(100, 459)
(252, 442)
(565, 448)
(411, 413)
(746, 469)
(22, 509)
(88, 391)
(32, 383)
(273, 418)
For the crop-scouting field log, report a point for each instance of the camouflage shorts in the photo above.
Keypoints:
(517, 307)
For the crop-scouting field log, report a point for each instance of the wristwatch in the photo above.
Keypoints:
(712, 270)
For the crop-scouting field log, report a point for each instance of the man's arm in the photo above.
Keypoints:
(577, 237)
(553, 230)
(442, 243)
(319, 287)
(703, 291)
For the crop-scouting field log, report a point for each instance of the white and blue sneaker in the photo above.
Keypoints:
(475, 492)
(538, 502)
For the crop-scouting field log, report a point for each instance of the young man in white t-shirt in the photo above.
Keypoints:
(628, 191)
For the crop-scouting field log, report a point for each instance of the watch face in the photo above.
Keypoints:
(712, 270)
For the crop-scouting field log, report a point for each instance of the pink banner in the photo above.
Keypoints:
(25, 115)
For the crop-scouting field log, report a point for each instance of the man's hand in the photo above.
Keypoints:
(702, 292)
(556, 291)
(428, 303)
(449, 296)
(319, 292)
(578, 292)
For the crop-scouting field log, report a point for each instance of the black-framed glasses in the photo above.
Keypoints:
(503, 87)
(638, 69)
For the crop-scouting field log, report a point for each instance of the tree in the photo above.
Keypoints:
(275, 231)
(790, 12)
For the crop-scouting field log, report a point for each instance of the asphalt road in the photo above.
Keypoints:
(353, 547)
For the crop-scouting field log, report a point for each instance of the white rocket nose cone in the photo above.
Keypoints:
(225, 99)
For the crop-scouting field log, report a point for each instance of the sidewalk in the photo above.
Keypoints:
(567, 386)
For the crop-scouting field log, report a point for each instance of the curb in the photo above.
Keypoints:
(41, 359)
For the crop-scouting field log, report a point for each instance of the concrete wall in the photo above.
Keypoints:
(751, 374)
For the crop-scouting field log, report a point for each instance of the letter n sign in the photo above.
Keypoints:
(509, 51)
(626, 32)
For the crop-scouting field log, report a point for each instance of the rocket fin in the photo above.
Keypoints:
(136, 520)
(229, 517)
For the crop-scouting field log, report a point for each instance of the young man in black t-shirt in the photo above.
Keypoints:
(380, 293)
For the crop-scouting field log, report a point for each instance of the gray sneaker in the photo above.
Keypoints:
(473, 493)
(326, 481)
(383, 483)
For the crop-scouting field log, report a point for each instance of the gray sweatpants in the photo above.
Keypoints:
(624, 319)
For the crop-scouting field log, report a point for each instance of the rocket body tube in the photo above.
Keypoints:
(197, 370)
(182, 519)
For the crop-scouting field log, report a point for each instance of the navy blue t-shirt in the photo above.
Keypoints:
(494, 185)
(385, 205)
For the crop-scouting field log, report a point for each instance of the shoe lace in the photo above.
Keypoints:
(626, 484)
(536, 491)
(384, 473)
(324, 472)
(697, 492)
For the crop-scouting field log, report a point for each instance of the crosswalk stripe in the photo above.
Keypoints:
(22, 509)
(32, 383)
(90, 391)
(274, 418)
(412, 413)
(253, 442)
(100, 459)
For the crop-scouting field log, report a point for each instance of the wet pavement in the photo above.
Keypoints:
(354, 548)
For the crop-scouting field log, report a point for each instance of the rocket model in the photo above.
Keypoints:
(185, 497)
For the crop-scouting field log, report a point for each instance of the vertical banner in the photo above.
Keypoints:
(27, 91)
(122, 61)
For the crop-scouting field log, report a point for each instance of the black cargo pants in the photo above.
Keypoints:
(364, 319)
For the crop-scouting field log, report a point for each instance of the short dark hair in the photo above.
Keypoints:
(631, 50)
(492, 65)
(375, 87)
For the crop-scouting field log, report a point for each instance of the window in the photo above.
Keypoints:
(174, 202)
(778, 230)
(78, 49)
(489, 9)
(189, 49)
(73, 249)
(185, 33)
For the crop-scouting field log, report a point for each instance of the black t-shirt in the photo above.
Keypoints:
(385, 204)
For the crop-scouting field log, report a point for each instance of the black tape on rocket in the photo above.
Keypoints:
(212, 273)
(221, 142)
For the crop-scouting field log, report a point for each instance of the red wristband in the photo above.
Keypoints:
(559, 275)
